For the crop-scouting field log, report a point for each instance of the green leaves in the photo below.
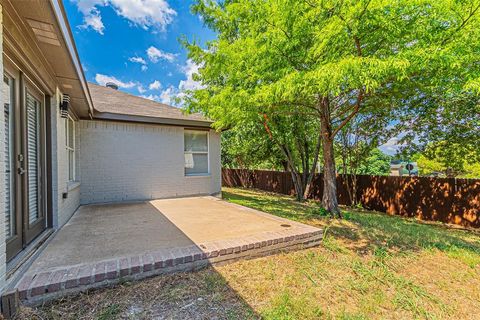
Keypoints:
(284, 51)
(473, 85)
(450, 159)
(417, 60)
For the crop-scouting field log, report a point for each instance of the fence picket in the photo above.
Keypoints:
(437, 199)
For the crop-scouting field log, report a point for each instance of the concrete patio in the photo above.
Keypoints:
(103, 244)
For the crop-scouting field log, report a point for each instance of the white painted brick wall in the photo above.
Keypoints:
(62, 209)
(129, 161)
(65, 207)
(3, 262)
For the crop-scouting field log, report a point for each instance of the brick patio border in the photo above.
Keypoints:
(37, 288)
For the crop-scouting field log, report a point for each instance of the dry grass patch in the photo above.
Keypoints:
(198, 295)
(369, 266)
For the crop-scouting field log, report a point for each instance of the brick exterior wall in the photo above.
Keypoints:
(62, 208)
(2, 171)
(65, 208)
(129, 161)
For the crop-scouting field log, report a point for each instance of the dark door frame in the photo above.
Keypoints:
(31, 231)
(24, 232)
(14, 244)
(48, 176)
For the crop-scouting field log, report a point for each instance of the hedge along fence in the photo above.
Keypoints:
(448, 200)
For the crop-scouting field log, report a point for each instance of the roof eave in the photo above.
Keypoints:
(152, 120)
(67, 36)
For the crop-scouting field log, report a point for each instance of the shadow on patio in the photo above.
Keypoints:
(108, 244)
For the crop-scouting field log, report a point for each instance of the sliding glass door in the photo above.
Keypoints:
(34, 216)
(24, 161)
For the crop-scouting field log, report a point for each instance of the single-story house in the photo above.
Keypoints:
(401, 168)
(65, 142)
(99, 186)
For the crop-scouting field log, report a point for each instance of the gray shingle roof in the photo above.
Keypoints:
(114, 102)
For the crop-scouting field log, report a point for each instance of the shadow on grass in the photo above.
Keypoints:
(196, 295)
(365, 231)
(408, 235)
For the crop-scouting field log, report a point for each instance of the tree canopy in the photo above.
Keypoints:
(333, 60)
(449, 159)
(249, 147)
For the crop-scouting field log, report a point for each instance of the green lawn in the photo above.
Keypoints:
(369, 266)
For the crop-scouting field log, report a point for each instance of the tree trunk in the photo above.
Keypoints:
(301, 178)
(313, 169)
(297, 182)
(329, 198)
(355, 187)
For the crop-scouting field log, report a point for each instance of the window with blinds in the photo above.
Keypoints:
(7, 96)
(196, 152)
(33, 148)
(70, 146)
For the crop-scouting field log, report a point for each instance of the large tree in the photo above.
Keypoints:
(357, 150)
(446, 127)
(297, 137)
(288, 141)
(450, 159)
(332, 59)
(247, 146)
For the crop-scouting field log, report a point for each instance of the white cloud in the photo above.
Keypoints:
(91, 14)
(153, 97)
(145, 13)
(171, 94)
(139, 60)
(391, 146)
(189, 70)
(148, 14)
(156, 55)
(168, 95)
(155, 85)
(141, 89)
(94, 20)
(103, 79)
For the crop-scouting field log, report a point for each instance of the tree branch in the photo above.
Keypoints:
(463, 24)
(352, 114)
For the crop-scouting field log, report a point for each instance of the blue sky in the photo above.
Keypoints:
(136, 44)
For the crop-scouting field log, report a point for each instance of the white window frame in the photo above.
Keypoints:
(70, 122)
(197, 152)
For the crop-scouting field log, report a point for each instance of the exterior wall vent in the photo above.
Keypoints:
(64, 105)
(45, 32)
(112, 85)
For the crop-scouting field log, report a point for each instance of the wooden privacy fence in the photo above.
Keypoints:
(437, 199)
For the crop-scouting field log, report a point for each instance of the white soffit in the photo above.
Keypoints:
(44, 32)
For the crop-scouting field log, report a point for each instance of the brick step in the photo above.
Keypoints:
(37, 288)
